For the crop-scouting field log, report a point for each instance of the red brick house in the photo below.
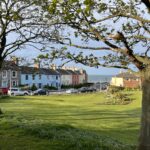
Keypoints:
(75, 77)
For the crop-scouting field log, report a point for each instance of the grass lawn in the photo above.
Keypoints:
(68, 122)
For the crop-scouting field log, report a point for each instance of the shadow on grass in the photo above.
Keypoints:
(8, 99)
(88, 115)
(66, 137)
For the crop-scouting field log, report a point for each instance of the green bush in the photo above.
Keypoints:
(1, 112)
(118, 98)
(33, 87)
(50, 87)
(115, 89)
(76, 86)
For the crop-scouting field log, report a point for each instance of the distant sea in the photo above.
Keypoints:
(99, 78)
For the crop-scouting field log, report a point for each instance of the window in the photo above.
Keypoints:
(40, 76)
(33, 77)
(4, 84)
(40, 85)
(27, 77)
(14, 73)
(4, 74)
(14, 89)
(56, 77)
(56, 84)
(14, 83)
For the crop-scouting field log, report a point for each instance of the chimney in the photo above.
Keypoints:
(53, 66)
(74, 68)
(81, 71)
(37, 65)
(15, 60)
(64, 68)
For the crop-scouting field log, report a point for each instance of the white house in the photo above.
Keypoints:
(39, 77)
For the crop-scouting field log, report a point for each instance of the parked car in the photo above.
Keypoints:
(3, 91)
(17, 91)
(69, 91)
(40, 92)
(91, 89)
(83, 90)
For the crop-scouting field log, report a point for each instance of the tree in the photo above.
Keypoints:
(22, 23)
(121, 28)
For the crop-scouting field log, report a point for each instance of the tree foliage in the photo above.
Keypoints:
(22, 23)
(118, 27)
(109, 33)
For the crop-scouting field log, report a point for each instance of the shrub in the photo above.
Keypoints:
(115, 89)
(1, 112)
(33, 87)
(76, 86)
(50, 87)
(118, 98)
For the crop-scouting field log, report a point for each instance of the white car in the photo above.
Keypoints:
(17, 91)
(71, 91)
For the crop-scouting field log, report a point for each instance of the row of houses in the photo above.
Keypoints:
(13, 75)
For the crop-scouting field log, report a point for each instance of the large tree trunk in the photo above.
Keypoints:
(144, 140)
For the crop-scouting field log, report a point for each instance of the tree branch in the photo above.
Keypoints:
(147, 4)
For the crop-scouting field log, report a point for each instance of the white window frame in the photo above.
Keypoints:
(4, 85)
(15, 83)
(15, 74)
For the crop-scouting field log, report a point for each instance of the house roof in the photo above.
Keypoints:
(72, 72)
(78, 72)
(63, 72)
(10, 65)
(33, 70)
(127, 75)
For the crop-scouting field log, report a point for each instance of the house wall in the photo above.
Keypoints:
(115, 81)
(132, 83)
(51, 80)
(81, 78)
(66, 79)
(5, 81)
(75, 79)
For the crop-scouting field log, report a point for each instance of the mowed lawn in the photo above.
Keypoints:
(69, 122)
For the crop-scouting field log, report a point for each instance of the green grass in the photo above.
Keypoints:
(68, 122)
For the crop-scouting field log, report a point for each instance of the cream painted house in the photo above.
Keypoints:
(117, 81)
(66, 77)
